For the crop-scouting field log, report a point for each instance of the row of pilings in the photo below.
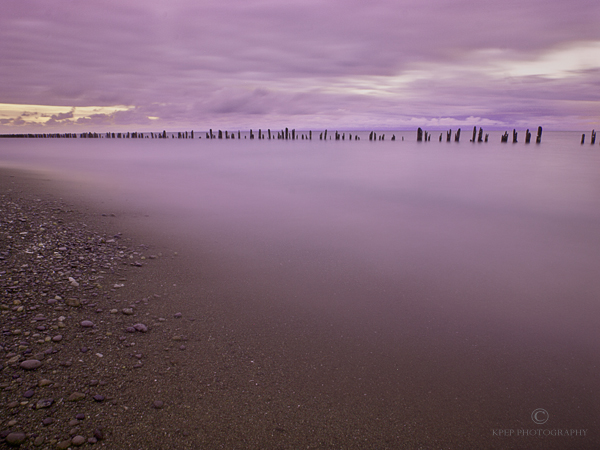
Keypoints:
(424, 136)
(592, 140)
(287, 134)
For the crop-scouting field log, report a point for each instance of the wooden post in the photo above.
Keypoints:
(583, 139)
(514, 136)
(527, 136)
(419, 135)
(480, 137)
(251, 135)
(325, 134)
(220, 134)
(538, 139)
(474, 134)
(310, 135)
(456, 136)
(593, 137)
(269, 133)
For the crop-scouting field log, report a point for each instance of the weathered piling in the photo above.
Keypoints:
(504, 137)
(593, 141)
(514, 136)
(474, 134)
(486, 137)
(456, 136)
(480, 136)
(419, 135)
(448, 135)
(538, 139)
(269, 133)
(583, 139)
(310, 135)
(393, 137)
(251, 135)
(441, 137)
(527, 136)
(220, 134)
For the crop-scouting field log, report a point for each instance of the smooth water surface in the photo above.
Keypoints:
(458, 247)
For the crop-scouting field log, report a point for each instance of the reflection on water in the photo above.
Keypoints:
(501, 234)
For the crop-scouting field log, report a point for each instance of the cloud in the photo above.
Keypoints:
(190, 63)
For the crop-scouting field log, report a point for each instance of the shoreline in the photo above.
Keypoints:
(249, 375)
(72, 289)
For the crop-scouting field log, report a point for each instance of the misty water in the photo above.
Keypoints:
(466, 257)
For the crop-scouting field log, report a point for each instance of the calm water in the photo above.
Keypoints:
(493, 246)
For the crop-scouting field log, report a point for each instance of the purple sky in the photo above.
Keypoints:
(141, 65)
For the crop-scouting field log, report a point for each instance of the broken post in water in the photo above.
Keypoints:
(457, 136)
(527, 136)
(514, 136)
(419, 135)
(480, 137)
(583, 139)
(474, 134)
(504, 137)
(538, 139)
(593, 137)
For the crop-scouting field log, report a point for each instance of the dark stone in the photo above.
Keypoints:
(15, 439)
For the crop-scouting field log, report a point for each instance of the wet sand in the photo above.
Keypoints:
(260, 371)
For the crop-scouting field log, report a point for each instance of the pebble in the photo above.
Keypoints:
(78, 440)
(44, 403)
(29, 393)
(47, 421)
(87, 324)
(57, 338)
(73, 302)
(140, 327)
(158, 404)
(128, 311)
(178, 315)
(64, 445)
(31, 364)
(130, 329)
(75, 397)
(15, 438)
(98, 398)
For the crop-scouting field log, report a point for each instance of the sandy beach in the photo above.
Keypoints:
(220, 362)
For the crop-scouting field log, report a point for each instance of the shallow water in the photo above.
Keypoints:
(484, 253)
